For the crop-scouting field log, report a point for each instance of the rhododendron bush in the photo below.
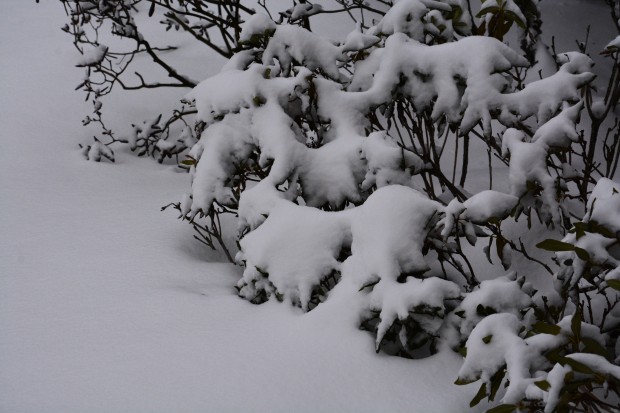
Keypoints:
(440, 169)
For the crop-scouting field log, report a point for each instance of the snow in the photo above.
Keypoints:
(405, 17)
(528, 163)
(484, 205)
(295, 265)
(604, 204)
(389, 231)
(294, 44)
(258, 24)
(501, 294)
(597, 363)
(494, 343)
(108, 305)
(93, 56)
(331, 174)
(614, 44)
(356, 40)
(560, 131)
(231, 136)
(387, 163)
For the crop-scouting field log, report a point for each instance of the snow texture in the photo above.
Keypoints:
(106, 305)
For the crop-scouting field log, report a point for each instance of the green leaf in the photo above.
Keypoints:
(259, 100)
(543, 385)
(615, 284)
(487, 339)
(503, 408)
(513, 17)
(482, 393)
(457, 12)
(459, 381)
(499, 246)
(544, 328)
(594, 226)
(555, 245)
(580, 233)
(484, 311)
(575, 325)
(577, 366)
(152, 8)
(582, 254)
(188, 162)
(555, 355)
(594, 347)
(496, 381)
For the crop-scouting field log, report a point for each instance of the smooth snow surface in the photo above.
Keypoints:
(107, 305)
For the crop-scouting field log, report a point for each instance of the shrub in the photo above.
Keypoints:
(335, 159)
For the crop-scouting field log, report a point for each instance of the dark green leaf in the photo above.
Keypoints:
(496, 381)
(259, 100)
(543, 385)
(459, 381)
(580, 233)
(555, 245)
(577, 366)
(555, 355)
(575, 325)
(544, 328)
(487, 339)
(482, 393)
(513, 17)
(594, 226)
(499, 246)
(484, 311)
(503, 408)
(594, 347)
(615, 284)
(582, 254)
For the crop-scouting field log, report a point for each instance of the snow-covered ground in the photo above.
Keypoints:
(108, 305)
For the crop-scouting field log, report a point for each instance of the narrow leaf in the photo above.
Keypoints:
(582, 254)
(482, 393)
(615, 284)
(578, 366)
(496, 381)
(575, 325)
(555, 245)
(459, 381)
(544, 328)
(503, 408)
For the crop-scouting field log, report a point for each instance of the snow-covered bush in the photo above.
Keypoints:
(563, 356)
(348, 167)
